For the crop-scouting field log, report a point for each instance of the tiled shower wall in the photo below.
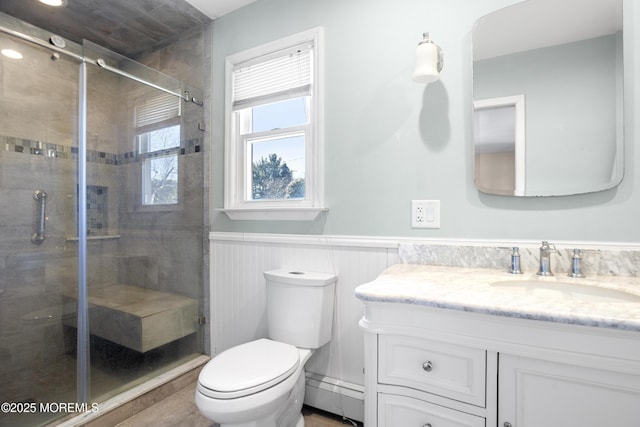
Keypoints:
(165, 248)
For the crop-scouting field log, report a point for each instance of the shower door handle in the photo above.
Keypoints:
(39, 235)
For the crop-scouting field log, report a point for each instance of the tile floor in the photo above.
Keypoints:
(179, 410)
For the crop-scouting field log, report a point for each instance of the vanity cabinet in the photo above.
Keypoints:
(438, 367)
(414, 377)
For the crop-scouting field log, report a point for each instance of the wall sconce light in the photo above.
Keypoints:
(429, 61)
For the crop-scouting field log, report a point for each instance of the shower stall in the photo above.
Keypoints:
(101, 224)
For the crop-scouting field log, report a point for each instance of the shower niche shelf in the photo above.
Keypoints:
(97, 214)
(103, 237)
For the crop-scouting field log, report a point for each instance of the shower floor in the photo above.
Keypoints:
(114, 369)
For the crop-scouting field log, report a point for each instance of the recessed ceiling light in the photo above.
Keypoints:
(10, 53)
(56, 3)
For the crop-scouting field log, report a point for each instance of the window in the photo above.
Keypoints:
(273, 163)
(158, 141)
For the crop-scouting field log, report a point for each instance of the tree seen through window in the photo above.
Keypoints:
(272, 179)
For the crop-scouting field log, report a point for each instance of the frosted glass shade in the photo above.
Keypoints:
(426, 69)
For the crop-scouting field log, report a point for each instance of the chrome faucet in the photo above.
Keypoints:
(545, 258)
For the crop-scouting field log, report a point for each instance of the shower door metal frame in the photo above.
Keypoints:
(83, 354)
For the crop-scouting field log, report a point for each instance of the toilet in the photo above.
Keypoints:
(261, 383)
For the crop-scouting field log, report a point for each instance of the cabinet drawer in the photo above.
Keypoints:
(448, 370)
(396, 411)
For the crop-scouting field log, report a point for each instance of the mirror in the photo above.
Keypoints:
(548, 98)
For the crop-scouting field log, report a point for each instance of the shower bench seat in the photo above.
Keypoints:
(138, 318)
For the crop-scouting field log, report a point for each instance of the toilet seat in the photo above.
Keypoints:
(248, 368)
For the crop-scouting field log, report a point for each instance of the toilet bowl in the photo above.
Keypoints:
(261, 383)
(257, 384)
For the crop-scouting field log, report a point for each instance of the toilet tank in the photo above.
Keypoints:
(300, 307)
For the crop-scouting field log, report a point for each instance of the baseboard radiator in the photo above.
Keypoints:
(335, 396)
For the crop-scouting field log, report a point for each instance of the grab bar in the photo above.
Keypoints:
(38, 237)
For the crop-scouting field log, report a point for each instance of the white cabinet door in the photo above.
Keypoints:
(535, 393)
(403, 411)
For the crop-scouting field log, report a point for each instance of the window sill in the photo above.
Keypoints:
(273, 214)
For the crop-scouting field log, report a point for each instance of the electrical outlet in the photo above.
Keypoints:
(425, 214)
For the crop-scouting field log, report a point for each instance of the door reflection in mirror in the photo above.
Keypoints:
(499, 135)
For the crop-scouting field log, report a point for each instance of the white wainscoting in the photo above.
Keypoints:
(335, 373)
(238, 301)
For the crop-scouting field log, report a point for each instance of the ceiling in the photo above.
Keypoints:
(216, 8)
(131, 27)
(128, 27)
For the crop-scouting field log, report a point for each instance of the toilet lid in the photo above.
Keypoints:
(249, 368)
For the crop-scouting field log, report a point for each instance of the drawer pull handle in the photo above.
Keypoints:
(507, 424)
(427, 425)
(427, 366)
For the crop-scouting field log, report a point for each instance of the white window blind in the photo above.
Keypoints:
(284, 75)
(156, 109)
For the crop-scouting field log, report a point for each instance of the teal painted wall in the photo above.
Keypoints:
(389, 140)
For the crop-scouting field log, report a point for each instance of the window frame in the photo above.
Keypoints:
(236, 205)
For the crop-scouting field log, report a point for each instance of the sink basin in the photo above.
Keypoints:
(572, 291)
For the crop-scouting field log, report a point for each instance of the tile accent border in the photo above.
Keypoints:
(60, 151)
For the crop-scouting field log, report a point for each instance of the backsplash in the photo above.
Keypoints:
(603, 261)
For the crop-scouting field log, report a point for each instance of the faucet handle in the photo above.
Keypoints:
(576, 262)
(514, 264)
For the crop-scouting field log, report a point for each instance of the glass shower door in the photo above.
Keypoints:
(144, 191)
(38, 266)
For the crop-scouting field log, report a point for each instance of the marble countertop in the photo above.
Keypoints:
(471, 289)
